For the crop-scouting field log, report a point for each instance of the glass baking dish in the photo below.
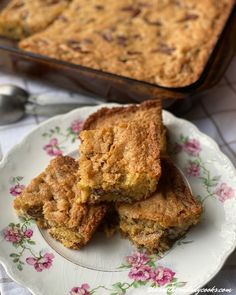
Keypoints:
(113, 87)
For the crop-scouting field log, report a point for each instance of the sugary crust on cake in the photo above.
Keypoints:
(171, 206)
(149, 110)
(50, 199)
(119, 163)
(22, 18)
(146, 112)
(113, 38)
(55, 183)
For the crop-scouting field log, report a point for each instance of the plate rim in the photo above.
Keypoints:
(5, 263)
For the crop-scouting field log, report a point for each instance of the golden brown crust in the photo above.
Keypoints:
(50, 199)
(22, 18)
(119, 163)
(172, 204)
(146, 112)
(181, 36)
(150, 110)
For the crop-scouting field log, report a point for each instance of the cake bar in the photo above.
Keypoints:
(119, 163)
(50, 200)
(157, 222)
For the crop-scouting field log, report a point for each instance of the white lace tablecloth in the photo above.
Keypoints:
(214, 113)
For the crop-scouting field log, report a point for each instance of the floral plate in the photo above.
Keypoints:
(113, 266)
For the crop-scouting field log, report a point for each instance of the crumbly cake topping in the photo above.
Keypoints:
(127, 147)
(124, 159)
(146, 112)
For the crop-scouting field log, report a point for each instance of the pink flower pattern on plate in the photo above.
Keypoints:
(162, 276)
(41, 263)
(76, 126)
(192, 147)
(12, 235)
(82, 290)
(197, 168)
(17, 189)
(28, 233)
(193, 169)
(58, 137)
(20, 235)
(141, 273)
(137, 259)
(52, 148)
(224, 192)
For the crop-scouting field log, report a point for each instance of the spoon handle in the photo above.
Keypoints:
(51, 110)
(56, 98)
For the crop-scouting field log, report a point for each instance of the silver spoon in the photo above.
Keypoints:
(15, 102)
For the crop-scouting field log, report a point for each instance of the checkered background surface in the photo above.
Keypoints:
(214, 113)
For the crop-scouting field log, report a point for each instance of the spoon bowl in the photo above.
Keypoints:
(11, 109)
(16, 91)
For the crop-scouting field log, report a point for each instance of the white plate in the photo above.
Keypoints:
(35, 260)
